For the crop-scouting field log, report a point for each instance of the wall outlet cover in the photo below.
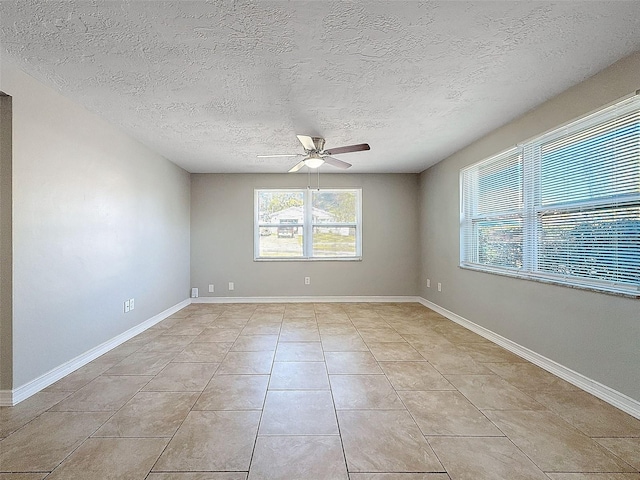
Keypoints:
(194, 293)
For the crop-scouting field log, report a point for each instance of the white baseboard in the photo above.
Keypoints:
(12, 397)
(309, 299)
(608, 394)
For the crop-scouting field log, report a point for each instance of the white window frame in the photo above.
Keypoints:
(308, 225)
(533, 211)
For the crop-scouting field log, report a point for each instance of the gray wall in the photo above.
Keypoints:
(97, 218)
(222, 239)
(595, 334)
(6, 250)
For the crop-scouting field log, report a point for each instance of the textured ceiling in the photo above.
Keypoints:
(211, 84)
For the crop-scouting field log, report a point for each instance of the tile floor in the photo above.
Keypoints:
(314, 391)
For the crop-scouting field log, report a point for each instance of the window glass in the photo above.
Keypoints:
(308, 224)
(564, 207)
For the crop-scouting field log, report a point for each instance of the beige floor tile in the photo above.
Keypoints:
(112, 357)
(22, 476)
(203, 352)
(448, 359)
(296, 412)
(250, 363)
(42, 444)
(351, 363)
(105, 393)
(299, 376)
(356, 392)
(299, 334)
(447, 413)
(182, 377)
(328, 308)
(394, 352)
(337, 329)
(414, 376)
(299, 352)
(12, 418)
(398, 476)
(104, 458)
(262, 328)
(490, 392)
(553, 444)
(149, 414)
(335, 318)
(379, 334)
(457, 334)
(594, 476)
(299, 311)
(343, 343)
(305, 322)
(226, 322)
(528, 377)
(385, 441)
(218, 335)
(589, 414)
(628, 449)
(486, 352)
(255, 343)
(484, 459)
(142, 363)
(198, 476)
(267, 316)
(168, 343)
(186, 328)
(427, 340)
(79, 378)
(298, 457)
(234, 392)
(211, 441)
(409, 326)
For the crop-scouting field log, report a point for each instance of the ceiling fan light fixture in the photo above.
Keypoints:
(313, 161)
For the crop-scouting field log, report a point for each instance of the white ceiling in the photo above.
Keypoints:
(211, 84)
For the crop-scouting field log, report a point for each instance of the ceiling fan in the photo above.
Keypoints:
(315, 154)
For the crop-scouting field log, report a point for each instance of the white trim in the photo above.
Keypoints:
(608, 394)
(309, 299)
(15, 396)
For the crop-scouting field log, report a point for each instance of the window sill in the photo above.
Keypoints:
(327, 259)
(627, 293)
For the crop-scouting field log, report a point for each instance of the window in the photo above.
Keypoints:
(564, 207)
(306, 224)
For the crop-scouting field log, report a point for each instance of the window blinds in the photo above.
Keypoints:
(565, 207)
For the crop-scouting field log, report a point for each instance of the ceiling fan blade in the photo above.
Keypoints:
(335, 162)
(297, 167)
(307, 142)
(350, 148)
(281, 155)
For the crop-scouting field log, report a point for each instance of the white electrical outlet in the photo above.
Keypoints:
(307, 280)
(439, 287)
(194, 293)
(132, 303)
(231, 286)
(428, 283)
(126, 306)
(211, 289)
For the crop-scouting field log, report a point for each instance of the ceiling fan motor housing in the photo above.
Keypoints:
(319, 143)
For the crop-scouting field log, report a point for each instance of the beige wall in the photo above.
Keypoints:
(97, 218)
(594, 334)
(222, 239)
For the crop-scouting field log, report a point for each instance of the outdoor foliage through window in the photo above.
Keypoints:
(307, 224)
(564, 207)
